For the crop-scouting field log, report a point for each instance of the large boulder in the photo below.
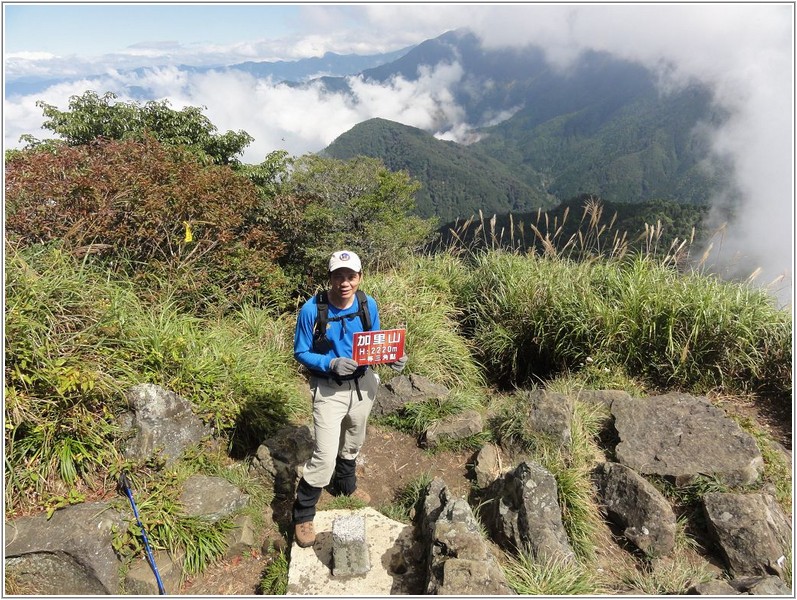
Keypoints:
(639, 509)
(70, 553)
(460, 559)
(525, 514)
(547, 413)
(453, 427)
(402, 389)
(279, 457)
(163, 423)
(211, 498)
(751, 531)
(140, 578)
(52, 573)
(675, 436)
(487, 465)
(762, 585)
(603, 397)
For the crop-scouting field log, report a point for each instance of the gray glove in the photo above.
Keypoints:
(399, 364)
(343, 366)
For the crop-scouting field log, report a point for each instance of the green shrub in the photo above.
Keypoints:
(357, 204)
(61, 385)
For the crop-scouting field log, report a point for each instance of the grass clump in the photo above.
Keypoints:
(571, 465)
(419, 298)
(674, 575)
(62, 384)
(777, 468)
(416, 417)
(553, 577)
(201, 542)
(534, 317)
(221, 367)
(406, 499)
(275, 577)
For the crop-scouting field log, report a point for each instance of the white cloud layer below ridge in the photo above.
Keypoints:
(743, 51)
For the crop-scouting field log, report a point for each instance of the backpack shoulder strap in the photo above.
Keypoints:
(322, 318)
(365, 313)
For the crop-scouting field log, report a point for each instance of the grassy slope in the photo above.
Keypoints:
(76, 338)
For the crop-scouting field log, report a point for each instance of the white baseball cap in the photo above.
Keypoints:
(345, 259)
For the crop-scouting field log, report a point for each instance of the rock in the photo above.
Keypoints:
(211, 498)
(715, 587)
(426, 389)
(487, 465)
(401, 386)
(766, 585)
(163, 422)
(78, 540)
(400, 390)
(241, 538)
(631, 502)
(279, 457)
(140, 578)
(525, 514)
(605, 397)
(750, 529)
(675, 436)
(387, 402)
(453, 427)
(52, 573)
(434, 500)
(547, 413)
(460, 560)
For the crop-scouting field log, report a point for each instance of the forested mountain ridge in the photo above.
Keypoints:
(603, 127)
(457, 180)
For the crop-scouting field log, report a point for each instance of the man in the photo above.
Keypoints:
(343, 392)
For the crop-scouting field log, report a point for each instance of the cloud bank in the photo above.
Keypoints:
(743, 51)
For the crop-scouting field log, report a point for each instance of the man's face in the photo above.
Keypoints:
(344, 283)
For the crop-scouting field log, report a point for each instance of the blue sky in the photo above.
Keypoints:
(93, 29)
(206, 33)
(743, 51)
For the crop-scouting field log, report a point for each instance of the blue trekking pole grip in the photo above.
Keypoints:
(124, 487)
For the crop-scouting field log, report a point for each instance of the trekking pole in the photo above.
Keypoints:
(124, 487)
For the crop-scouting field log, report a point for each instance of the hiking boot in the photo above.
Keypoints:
(304, 534)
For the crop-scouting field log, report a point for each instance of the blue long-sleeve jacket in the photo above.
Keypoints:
(340, 333)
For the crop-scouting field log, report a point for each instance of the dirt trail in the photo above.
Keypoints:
(389, 461)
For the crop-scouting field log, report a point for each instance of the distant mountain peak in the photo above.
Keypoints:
(543, 136)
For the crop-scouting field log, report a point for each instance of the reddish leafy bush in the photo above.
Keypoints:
(154, 210)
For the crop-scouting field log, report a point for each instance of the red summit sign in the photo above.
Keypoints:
(377, 347)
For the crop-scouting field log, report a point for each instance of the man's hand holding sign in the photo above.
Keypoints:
(385, 346)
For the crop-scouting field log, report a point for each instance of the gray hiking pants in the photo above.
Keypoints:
(340, 417)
